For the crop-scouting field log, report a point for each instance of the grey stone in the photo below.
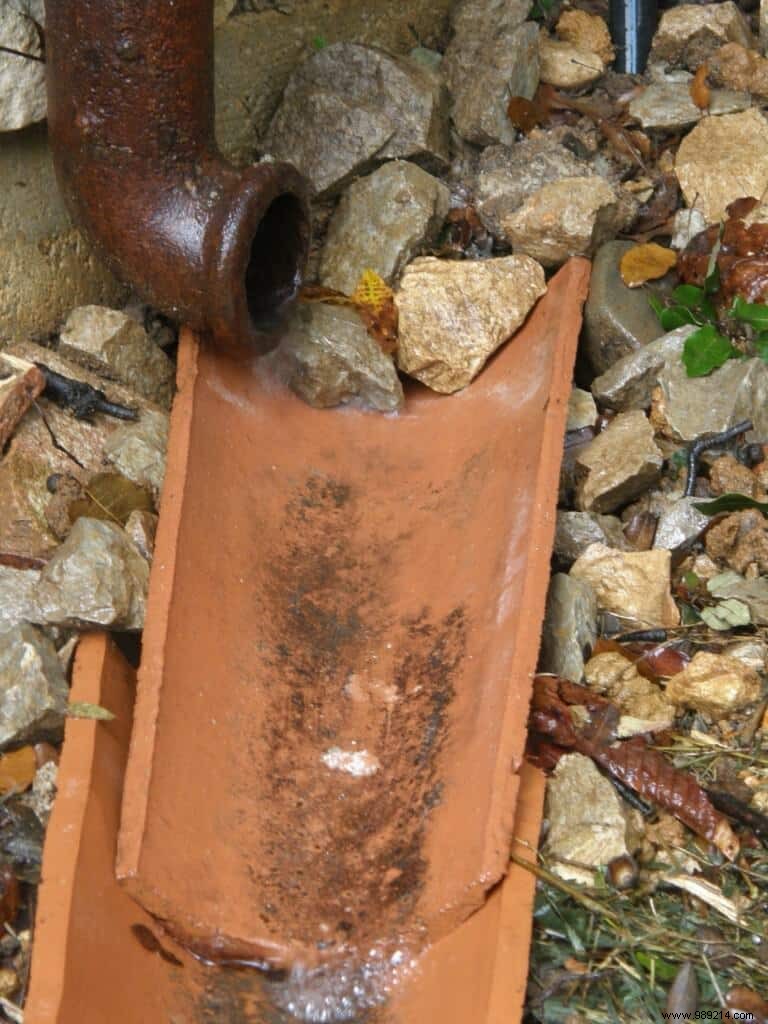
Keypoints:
(670, 106)
(575, 531)
(95, 578)
(690, 33)
(493, 55)
(617, 319)
(453, 314)
(508, 175)
(22, 81)
(569, 217)
(617, 465)
(679, 524)
(582, 411)
(630, 381)
(685, 407)
(113, 344)
(48, 267)
(349, 106)
(381, 222)
(17, 596)
(33, 689)
(137, 450)
(330, 358)
(256, 53)
(570, 627)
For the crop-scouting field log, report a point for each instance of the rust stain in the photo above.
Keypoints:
(342, 858)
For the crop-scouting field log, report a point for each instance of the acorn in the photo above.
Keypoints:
(623, 872)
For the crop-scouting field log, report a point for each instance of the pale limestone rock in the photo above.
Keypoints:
(684, 407)
(686, 224)
(454, 314)
(587, 31)
(586, 819)
(381, 222)
(582, 411)
(17, 596)
(329, 358)
(350, 106)
(629, 382)
(494, 54)
(137, 450)
(617, 465)
(690, 33)
(642, 703)
(113, 344)
(257, 51)
(736, 67)
(22, 81)
(508, 175)
(48, 266)
(715, 684)
(140, 528)
(670, 106)
(567, 66)
(722, 159)
(33, 689)
(570, 217)
(633, 584)
(570, 626)
(575, 531)
(95, 578)
(679, 524)
(222, 10)
(752, 652)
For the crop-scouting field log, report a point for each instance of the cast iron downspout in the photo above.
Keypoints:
(130, 115)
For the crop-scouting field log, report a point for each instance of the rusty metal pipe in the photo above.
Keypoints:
(131, 122)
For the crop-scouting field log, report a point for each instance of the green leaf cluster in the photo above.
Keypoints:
(710, 345)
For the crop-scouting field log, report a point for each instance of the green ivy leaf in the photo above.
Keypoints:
(730, 503)
(705, 350)
(753, 313)
(688, 295)
(761, 346)
(675, 316)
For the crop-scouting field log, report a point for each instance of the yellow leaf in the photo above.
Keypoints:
(375, 302)
(372, 291)
(645, 262)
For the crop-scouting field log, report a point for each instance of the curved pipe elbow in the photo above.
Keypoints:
(130, 93)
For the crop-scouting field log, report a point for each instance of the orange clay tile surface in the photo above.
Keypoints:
(325, 760)
(91, 964)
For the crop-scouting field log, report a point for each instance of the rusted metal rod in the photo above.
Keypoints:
(131, 122)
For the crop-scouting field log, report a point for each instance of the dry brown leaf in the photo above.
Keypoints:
(17, 770)
(317, 293)
(525, 114)
(112, 497)
(700, 92)
(645, 262)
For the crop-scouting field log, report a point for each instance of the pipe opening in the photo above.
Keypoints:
(278, 251)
